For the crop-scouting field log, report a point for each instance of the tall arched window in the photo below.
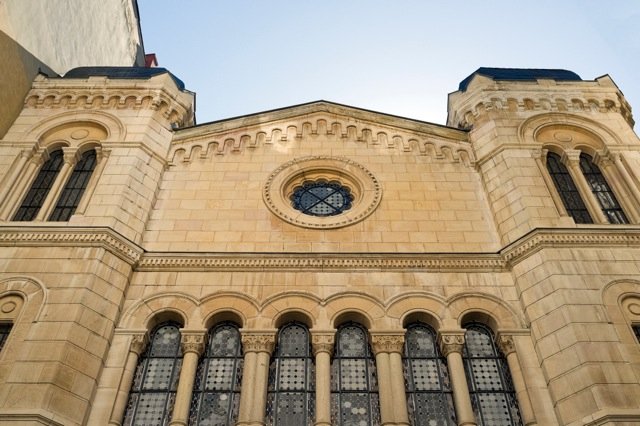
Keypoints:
(354, 384)
(32, 202)
(216, 393)
(429, 396)
(492, 394)
(291, 397)
(5, 329)
(75, 187)
(601, 189)
(567, 189)
(154, 386)
(636, 331)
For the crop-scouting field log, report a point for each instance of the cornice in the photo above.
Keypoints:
(50, 236)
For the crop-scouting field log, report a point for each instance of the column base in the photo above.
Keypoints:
(468, 424)
(322, 424)
(177, 423)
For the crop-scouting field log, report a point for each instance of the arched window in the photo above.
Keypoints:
(429, 396)
(567, 189)
(75, 187)
(291, 397)
(636, 331)
(492, 394)
(40, 187)
(354, 384)
(154, 386)
(5, 329)
(602, 191)
(216, 393)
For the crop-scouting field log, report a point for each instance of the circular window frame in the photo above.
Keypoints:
(364, 187)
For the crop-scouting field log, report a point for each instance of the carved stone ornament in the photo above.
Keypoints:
(450, 343)
(139, 343)
(322, 342)
(193, 342)
(258, 342)
(506, 344)
(387, 343)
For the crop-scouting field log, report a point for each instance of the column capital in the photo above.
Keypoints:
(571, 156)
(193, 341)
(451, 341)
(70, 154)
(139, 342)
(604, 158)
(387, 342)
(323, 341)
(258, 340)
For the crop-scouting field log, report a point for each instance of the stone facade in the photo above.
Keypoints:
(194, 224)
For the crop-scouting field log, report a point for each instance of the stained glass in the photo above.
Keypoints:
(321, 198)
(490, 385)
(216, 395)
(40, 187)
(155, 381)
(291, 390)
(74, 188)
(354, 384)
(601, 189)
(429, 395)
(569, 194)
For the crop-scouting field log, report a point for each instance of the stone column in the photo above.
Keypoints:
(393, 401)
(17, 191)
(626, 177)
(138, 344)
(70, 158)
(614, 176)
(451, 344)
(571, 158)
(9, 182)
(257, 347)
(322, 343)
(193, 344)
(507, 346)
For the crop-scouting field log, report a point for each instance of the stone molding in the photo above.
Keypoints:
(451, 341)
(387, 342)
(258, 340)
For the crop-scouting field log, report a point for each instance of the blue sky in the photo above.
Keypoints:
(400, 57)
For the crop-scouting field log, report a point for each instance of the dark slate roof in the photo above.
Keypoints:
(520, 74)
(122, 72)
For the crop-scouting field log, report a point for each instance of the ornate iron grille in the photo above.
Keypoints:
(602, 190)
(216, 394)
(156, 378)
(40, 187)
(291, 397)
(322, 198)
(354, 383)
(569, 194)
(429, 395)
(492, 394)
(75, 187)
(5, 329)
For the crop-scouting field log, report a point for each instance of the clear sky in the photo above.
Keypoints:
(400, 57)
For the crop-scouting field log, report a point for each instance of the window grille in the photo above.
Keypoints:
(5, 329)
(40, 187)
(291, 397)
(322, 198)
(216, 394)
(75, 187)
(354, 383)
(155, 381)
(602, 191)
(569, 194)
(492, 394)
(429, 395)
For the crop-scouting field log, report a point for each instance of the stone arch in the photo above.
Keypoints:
(418, 305)
(177, 305)
(216, 307)
(485, 308)
(359, 307)
(303, 307)
(32, 291)
(113, 127)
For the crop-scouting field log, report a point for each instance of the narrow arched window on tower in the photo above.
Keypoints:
(75, 187)
(429, 396)
(32, 202)
(492, 394)
(602, 191)
(153, 392)
(354, 383)
(216, 393)
(569, 194)
(5, 329)
(636, 331)
(291, 397)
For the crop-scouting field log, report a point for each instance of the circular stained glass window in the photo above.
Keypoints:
(321, 198)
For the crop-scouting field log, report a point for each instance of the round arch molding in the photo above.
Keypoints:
(114, 128)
